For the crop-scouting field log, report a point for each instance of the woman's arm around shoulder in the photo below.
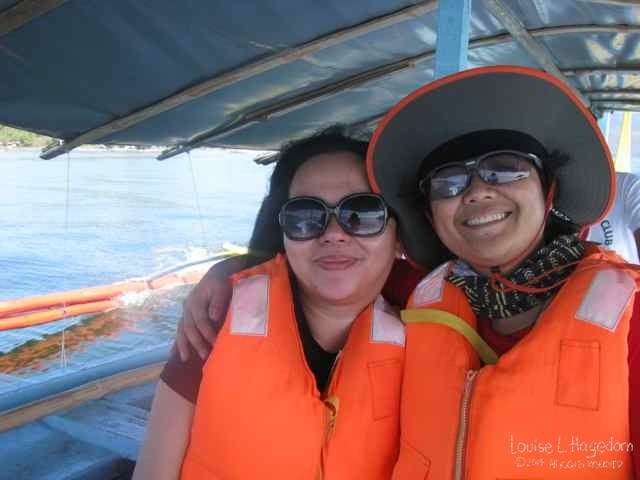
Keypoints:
(166, 438)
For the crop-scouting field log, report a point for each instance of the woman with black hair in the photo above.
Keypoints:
(522, 357)
(304, 380)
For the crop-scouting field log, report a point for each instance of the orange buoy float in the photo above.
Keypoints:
(49, 315)
(71, 297)
(36, 310)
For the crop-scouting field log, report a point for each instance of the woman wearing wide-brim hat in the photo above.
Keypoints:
(521, 346)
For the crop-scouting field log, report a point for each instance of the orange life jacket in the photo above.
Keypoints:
(259, 413)
(553, 407)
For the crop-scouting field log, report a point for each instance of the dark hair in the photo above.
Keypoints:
(266, 239)
(557, 222)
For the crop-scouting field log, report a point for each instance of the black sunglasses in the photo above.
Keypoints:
(495, 168)
(359, 214)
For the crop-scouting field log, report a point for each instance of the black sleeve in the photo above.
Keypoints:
(183, 377)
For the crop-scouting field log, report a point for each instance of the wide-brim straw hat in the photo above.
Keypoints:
(489, 98)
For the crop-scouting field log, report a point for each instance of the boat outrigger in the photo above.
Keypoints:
(27, 312)
(246, 75)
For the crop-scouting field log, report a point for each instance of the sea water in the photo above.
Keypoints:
(99, 216)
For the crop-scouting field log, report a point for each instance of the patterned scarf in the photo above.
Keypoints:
(489, 303)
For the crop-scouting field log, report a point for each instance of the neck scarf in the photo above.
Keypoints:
(489, 303)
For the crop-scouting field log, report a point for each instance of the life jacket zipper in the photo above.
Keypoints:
(461, 441)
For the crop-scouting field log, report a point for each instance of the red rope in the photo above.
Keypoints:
(583, 265)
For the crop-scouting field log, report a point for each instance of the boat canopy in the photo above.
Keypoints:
(252, 74)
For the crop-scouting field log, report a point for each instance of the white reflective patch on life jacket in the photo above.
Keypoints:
(430, 288)
(607, 298)
(250, 306)
(386, 326)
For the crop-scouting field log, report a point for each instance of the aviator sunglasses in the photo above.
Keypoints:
(359, 214)
(494, 168)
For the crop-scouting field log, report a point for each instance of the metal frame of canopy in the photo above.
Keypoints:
(452, 48)
(451, 55)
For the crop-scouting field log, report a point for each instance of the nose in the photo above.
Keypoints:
(478, 191)
(334, 232)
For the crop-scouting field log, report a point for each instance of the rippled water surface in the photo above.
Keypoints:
(123, 215)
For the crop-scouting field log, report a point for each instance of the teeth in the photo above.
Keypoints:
(486, 219)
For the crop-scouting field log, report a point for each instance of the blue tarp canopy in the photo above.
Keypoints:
(252, 74)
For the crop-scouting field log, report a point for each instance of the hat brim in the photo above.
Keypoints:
(501, 98)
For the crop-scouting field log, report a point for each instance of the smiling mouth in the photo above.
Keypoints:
(335, 263)
(486, 219)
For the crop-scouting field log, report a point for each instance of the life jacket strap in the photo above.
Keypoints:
(440, 317)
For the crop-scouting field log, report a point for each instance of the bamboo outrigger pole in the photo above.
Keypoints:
(78, 396)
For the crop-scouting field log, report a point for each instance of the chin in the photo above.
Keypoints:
(487, 251)
(335, 292)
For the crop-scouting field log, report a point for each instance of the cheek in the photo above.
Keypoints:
(387, 244)
(381, 249)
(528, 192)
(296, 252)
(441, 215)
(535, 201)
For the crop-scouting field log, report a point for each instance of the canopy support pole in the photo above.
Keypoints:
(326, 91)
(621, 3)
(247, 71)
(626, 105)
(452, 44)
(231, 77)
(617, 94)
(23, 12)
(517, 29)
(279, 108)
(618, 70)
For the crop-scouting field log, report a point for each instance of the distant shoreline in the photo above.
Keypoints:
(95, 148)
(153, 149)
(12, 139)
